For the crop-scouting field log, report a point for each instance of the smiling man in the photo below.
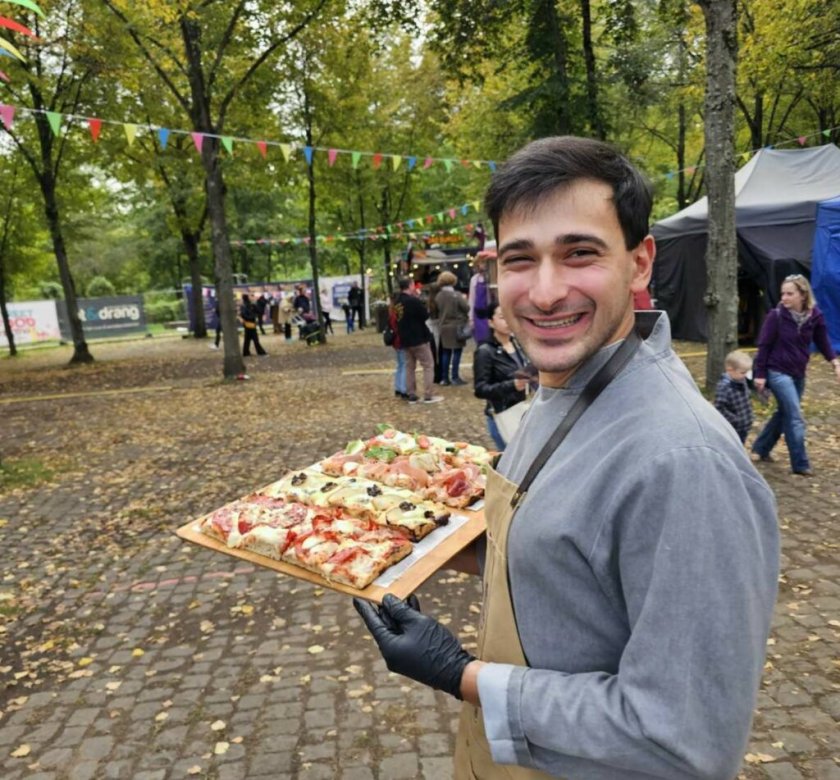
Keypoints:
(631, 554)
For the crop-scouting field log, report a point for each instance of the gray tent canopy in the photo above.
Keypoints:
(776, 197)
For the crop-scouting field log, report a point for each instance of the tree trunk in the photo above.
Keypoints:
(721, 297)
(7, 326)
(233, 362)
(682, 199)
(191, 240)
(81, 354)
(596, 125)
(313, 248)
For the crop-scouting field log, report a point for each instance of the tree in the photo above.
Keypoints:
(722, 251)
(204, 54)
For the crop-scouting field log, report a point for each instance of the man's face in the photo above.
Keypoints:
(566, 279)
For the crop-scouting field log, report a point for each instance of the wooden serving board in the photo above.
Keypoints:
(419, 571)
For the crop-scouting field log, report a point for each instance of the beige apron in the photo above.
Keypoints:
(498, 640)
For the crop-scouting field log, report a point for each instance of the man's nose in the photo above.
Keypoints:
(550, 285)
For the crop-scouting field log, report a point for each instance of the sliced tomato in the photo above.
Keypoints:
(423, 442)
(457, 487)
(345, 556)
(322, 522)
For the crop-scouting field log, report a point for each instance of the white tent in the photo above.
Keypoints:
(776, 197)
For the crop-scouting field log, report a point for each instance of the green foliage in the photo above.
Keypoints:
(158, 311)
(100, 287)
(51, 290)
(22, 473)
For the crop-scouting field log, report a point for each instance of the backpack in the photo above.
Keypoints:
(388, 336)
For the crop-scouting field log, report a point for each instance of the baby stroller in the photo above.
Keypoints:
(308, 328)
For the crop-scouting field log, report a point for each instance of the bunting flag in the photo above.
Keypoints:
(198, 140)
(227, 142)
(802, 139)
(10, 47)
(4, 77)
(54, 119)
(7, 114)
(826, 133)
(448, 165)
(32, 6)
(331, 155)
(377, 161)
(355, 157)
(130, 132)
(11, 24)
(95, 127)
(163, 137)
(427, 163)
(263, 147)
(287, 150)
(396, 159)
(412, 161)
(307, 153)
(492, 166)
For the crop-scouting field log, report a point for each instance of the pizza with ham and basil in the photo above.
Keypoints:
(446, 472)
(356, 513)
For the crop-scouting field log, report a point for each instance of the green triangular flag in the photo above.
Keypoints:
(476, 205)
(395, 161)
(355, 157)
(55, 121)
(826, 133)
(227, 142)
(448, 164)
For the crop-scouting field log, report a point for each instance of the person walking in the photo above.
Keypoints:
(400, 387)
(783, 343)
(732, 394)
(326, 306)
(411, 316)
(453, 313)
(248, 316)
(261, 305)
(479, 300)
(498, 373)
(356, 300)
(631, 558)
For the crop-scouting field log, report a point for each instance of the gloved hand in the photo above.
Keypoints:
(415, 645)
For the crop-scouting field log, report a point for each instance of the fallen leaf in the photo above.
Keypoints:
(194, 770)
(206, 626)
(218, 725)
(112, 686)
(161, 716)
(237, 740)
(86, 661)
(758, 758)
(137, 652)
(21, 752)
(315, 649)
(221, 748)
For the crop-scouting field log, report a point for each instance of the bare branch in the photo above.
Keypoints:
(226, 38)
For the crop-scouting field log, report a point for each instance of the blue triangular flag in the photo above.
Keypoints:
(464, 208)
(163, 136)
(492, 166)
(307, 153)
(412, 161)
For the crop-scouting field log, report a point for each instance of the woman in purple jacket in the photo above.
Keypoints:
(783, 344)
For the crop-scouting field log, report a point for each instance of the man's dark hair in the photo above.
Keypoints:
(404, 283)
(549, 164)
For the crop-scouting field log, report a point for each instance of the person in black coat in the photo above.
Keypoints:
(248, 314)
(499, 371)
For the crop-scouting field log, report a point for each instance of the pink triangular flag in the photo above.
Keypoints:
(263, 147)
(802, 139)
(427, 163)
(331, 155)
(198, 140)
(7, 114)
(4, 77)
(95, 126)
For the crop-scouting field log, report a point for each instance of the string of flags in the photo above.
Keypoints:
(7, 48)
(95, 125)
(410, 229)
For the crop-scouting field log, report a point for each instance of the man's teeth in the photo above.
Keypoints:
(565, 322)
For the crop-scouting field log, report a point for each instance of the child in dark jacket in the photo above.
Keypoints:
(732, 395)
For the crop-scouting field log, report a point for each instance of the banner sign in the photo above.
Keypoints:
(31, 321)
(103, 317)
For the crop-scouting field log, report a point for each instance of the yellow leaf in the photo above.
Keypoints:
(21, 752)
(315, 649)
(758, 758)
(86, 661)
(237, 740)
(113, 686)
(247, 609)
(161, 716)
(218, 725)
(137, 652)
(221, 748)
(194, 770)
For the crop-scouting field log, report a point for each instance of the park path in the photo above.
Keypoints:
(127, 653)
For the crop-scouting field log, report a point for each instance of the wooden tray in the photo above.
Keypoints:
(407, 583)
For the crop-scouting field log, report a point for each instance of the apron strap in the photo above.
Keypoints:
(594, 387)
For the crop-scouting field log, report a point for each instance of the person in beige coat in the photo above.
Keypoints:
(453, 313)
(285, 312)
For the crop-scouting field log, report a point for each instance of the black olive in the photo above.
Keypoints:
(407, 506)
(298, 479)
(328, 486)
(442, 520)
(374, 490)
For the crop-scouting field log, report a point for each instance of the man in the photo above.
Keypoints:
(356, 300)
(628, 590)
(411, 315)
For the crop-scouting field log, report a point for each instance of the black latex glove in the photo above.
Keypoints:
(415, 645)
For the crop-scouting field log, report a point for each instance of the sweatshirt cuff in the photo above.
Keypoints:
(498, 686)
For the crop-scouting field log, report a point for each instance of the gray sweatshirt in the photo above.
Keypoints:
(643, 568)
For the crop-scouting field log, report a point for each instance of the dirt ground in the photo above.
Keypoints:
(108, 459)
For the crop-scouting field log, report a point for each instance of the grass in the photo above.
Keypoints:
(23, 473)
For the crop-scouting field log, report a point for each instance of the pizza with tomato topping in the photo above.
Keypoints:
(451, 473)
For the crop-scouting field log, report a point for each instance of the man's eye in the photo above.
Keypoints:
(511, 259)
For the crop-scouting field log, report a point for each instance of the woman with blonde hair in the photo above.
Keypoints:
(780, 365)
(453, 313)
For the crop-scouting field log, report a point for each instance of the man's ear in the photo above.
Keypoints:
(643, 256)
